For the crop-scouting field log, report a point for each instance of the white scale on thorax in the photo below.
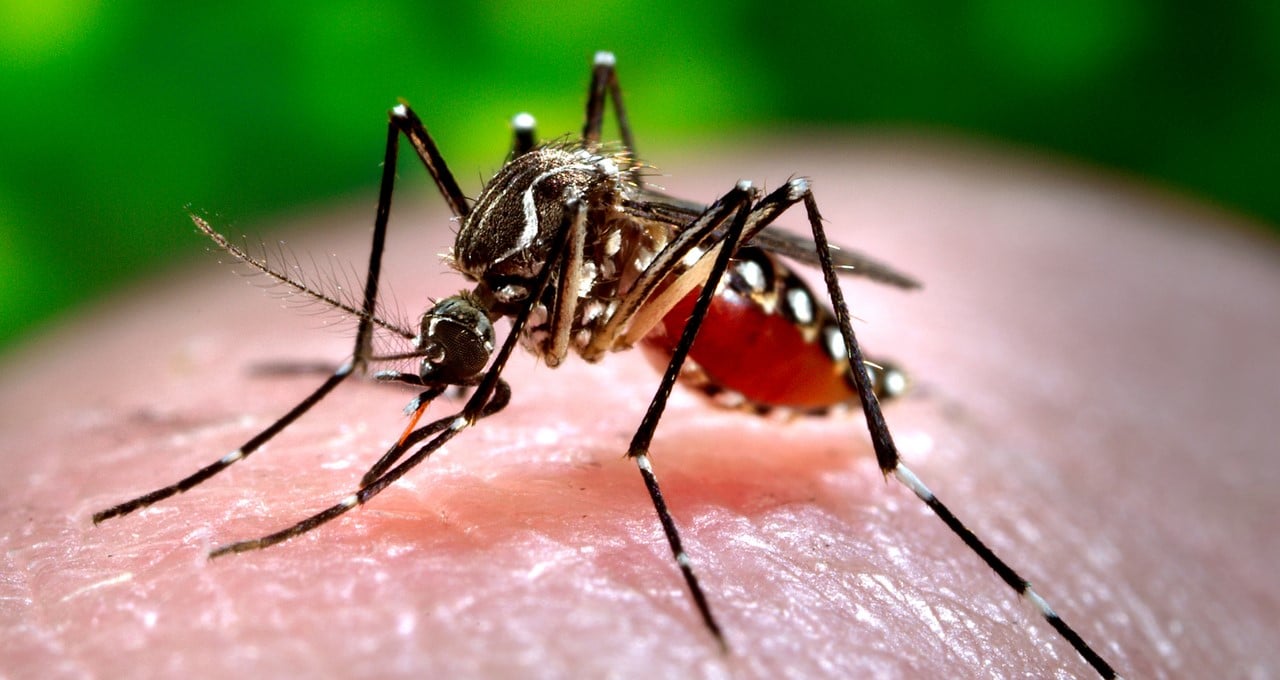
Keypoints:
(587, 162)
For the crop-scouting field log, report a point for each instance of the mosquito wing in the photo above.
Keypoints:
(800, 248)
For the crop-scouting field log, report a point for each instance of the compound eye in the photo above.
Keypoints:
(456, 341)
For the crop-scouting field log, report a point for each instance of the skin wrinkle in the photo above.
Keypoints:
(1060, 350)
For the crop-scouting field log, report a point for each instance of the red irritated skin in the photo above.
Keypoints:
(1094, 371)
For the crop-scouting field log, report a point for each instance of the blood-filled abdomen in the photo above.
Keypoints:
(766, 341)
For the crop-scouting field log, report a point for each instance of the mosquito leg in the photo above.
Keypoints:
(700, 233)
(413, 409)
(289, 368)
(604, 82)
(406, 121)
(360, 353)
(891, 464)
(286, 369)
(491, 396)
(442, 428)
(412, 379)
(226, 461)
(736, 202)
(888, 380)
(569, 279)
(524, 134)
(375, 483)
(273, 369)
(561, 318)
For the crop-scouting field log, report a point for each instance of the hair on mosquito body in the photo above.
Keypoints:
(571, 248)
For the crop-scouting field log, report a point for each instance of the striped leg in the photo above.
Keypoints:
(491, 396)
(402, 120)
(734, 204)
(604, 83)
(524, 134)
(891, 464)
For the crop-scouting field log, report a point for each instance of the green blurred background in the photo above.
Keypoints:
(116, 116)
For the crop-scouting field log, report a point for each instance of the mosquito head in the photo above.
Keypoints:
(456, 341)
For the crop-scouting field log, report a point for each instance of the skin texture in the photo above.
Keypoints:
(1095, 378)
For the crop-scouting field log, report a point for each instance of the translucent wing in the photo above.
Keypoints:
(678, 211)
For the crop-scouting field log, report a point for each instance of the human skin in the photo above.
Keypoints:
(1094, 395)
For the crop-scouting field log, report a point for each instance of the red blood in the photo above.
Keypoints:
(757, 353)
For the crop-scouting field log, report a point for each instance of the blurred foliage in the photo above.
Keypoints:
(116, 116)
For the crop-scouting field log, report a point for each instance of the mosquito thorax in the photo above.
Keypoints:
(456, 340)
(508, 235)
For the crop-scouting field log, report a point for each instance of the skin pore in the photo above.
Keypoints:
(1094, 372)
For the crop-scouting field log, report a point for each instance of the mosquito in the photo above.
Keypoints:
(569, 243)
